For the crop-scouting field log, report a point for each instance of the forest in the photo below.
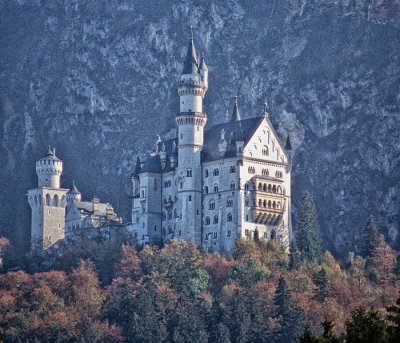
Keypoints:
(113, 292)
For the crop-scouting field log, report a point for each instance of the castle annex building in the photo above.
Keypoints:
(59, 213)
(212, 185)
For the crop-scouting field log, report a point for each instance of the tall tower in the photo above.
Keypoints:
(48, 202)
(191, 119)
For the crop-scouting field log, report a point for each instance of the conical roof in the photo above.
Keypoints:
(288, 145)
(73, 189)
(191, 64)
(236, 113)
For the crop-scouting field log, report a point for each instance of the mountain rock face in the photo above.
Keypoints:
(97, 80)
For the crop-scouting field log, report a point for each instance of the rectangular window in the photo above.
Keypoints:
(247, 233)
(229, 234)
(215, 235)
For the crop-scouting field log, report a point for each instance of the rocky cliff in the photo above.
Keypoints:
(97, 80)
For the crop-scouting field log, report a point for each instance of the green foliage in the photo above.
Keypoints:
(248, 272)
(307, 336)
(307, 233)
(321, 281)
(294, 256)
(286, 312)
(366, 327)
(179, 294)
(370, 237)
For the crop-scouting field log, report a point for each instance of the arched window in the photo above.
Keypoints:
(206, 189)
(260, 186)
(264, 187)
(273, 235)
(215, 188)
(259, 202)
(269, 204)
(265, 150)
(279, 189)
(55, 201)
(251, 170)
(232, 169)
(229, 217)
(206, 173)
(229, 203)
(232, 186)
(265, 172)
(189, 172)
(215, 219)
(62, 204)
(274, 189)
(265, 203)
(211, 205)
(48, 199)
(269, 188)
(274, 205)
(216, 172)
(208, 221)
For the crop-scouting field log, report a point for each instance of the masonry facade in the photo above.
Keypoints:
(213, 185)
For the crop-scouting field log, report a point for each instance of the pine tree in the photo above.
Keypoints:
(366, 327)
(294, 256)
(370, 237)
(328, 336)
(307, 235)
(321, 281)
(307, 336)
(287, 313)
(394, 319)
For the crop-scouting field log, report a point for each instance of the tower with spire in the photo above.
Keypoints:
(191, 120)
(212, 185)
(47, 202)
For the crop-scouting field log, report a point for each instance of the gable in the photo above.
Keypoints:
(265, 144)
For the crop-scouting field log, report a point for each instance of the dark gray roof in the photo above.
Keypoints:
(236, 113)
(234, 131)
(191, 64)
(73, 189)
(288, 145)
(50, 155)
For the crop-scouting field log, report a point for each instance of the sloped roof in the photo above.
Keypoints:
(268, 218)
(87, 206)
(234, 131)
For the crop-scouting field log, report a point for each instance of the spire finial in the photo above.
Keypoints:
(266, 107)
(191, 32)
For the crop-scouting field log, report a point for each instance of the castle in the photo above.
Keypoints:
(59, 213)
(213, 185)
(209, 186)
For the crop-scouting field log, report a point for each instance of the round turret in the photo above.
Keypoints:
(49, 169)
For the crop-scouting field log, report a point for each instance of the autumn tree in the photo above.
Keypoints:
(382, 263)
(307, 233)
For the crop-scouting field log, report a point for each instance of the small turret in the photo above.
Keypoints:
(236, 113)
(49, 169)
(191, 65)
(163, 156)
(74, 194)
(204, 73)
(222, 145)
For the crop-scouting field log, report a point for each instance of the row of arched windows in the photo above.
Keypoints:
(229, 218)
(56, 201)
(211, 204)
(269, 204)
(269, 188)
(215, 172)
(251, 170)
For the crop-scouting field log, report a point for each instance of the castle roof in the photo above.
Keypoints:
(241, 130)
(73, 189)
(191, 65)
(236, 113)
(50, 155)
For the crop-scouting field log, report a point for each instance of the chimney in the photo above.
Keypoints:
(95, 204)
